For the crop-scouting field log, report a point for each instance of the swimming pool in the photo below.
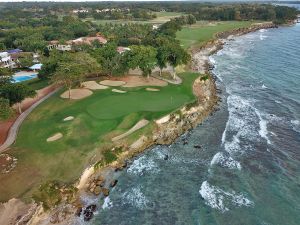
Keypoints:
(20, 78)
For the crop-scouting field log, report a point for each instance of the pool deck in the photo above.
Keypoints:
(25, 73)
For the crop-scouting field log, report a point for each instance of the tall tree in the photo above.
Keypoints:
(143, 57)
(16, 93)
(73, 69)
(5, 109)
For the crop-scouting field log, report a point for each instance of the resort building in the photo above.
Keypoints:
(80, 11)
(88, 40)
(6, 60)
(61, 47)
(79, 41)
(121, 49)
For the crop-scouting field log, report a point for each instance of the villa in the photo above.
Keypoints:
(79, 41)
(61, 47)
(121, 49)
(88, 40)
(6, 60)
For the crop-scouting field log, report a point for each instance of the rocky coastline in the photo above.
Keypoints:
(97, 182)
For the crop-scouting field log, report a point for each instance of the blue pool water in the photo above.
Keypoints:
(17, 79)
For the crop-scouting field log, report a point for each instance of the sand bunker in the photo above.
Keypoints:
(152, 89)
(113, 83)
(136, 127)
(118, 91)
(55, 137)
(93, 85)
(138, 81)
(77, 93)
(69, 118)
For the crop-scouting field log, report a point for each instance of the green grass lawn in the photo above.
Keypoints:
(36, 83)
(98, 118)
(203, 31)
(162, 17)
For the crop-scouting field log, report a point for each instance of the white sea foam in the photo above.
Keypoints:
(219, 199)
(245, 121)
(296, 125)
(262, 37)
(107, 203)
(264, 86)
(143, 165)
(136, 198)
(263, 131)
(225, 161)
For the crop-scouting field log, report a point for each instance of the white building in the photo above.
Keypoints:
(6, 61)
(55, 45)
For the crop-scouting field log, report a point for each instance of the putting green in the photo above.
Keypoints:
(116, 106)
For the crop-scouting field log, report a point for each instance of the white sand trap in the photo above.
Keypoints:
(138, 143)
(118, 91)
(152, 89)
(55, 137)
(113, 83)
(77, 93)
(93, 85)
(69, 118)
(136, 127)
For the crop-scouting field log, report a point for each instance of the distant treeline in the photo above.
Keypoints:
(146, 10)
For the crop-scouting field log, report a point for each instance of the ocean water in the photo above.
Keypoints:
(247, 171)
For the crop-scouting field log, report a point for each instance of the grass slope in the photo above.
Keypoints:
(202, 31)
(98, 118)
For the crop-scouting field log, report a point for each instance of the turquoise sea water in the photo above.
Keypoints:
(247, 171)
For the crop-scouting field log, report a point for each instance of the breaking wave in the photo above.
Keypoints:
(225, 161)
(136, 198)
(221, 200)
(143, 165)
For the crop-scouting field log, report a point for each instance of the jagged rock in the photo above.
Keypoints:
(113, 183)
(97, 190)
(105, 192)
(78, 211)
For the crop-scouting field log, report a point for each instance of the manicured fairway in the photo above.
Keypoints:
(98, 118)
(202, 31)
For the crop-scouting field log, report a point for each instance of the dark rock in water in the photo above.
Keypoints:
(78, 211)
(197, 146)
(88, 216)
(91, 208)
(185, 142)
(166, 157)
(113, 183)
(88, 213)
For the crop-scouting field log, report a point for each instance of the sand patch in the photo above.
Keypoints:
(69, 118)
(139, 81)
(93, 85)
(77, 93)
(55, 137)
(139, 143)
(136, 127)
(16, 212)
(118, 91)
(152, 89)
(112, 83)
